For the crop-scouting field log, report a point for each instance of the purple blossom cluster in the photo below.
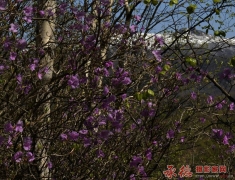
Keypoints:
(222, 137)
(23, 86)
(19, 156)
(28, 14)
(73, 81)
(9, 128)
(122, 78)
(13, 132)
(108, 109)
(157, 55)
(137, 164)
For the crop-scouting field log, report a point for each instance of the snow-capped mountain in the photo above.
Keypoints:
(196, 37)
(213, 52)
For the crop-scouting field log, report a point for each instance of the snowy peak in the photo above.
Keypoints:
(196, 37)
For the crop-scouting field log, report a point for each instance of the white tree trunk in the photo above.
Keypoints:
(46, 40)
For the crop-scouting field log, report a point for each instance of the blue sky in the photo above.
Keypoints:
(229, 22)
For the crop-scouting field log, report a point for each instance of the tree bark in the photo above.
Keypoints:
(46, 39)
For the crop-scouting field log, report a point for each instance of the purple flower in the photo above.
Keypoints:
(19, 79)
(80, 15)
(98, 71)
(106, 90)
(223, 102)
(32, 67)
(133, 28)
(8, 128)
(13, 28)
(202, 119)
(18, 156)
(87, 142)
(160, 40)
(30, 156)
(150, 104)
(3, 4)
(108, 100)
(231, 106)
(2, 68)
(182, 139)
(50, 12)
(210, 100)
(225, 140)
(226, 74)
(142, 172)
(193, 95)
(28, 10)
(28, 19)
(178, 76)
(39, 74)
(105, 2)
(27, 143)
(21, 44)
(149, 154)
(217, 133)
(104, 134)
(27, 88)
(194, 77)
(73, 135)
(42, 13)
(132, 177)
(45, 69)
(154, 142)
(185, 81)
(7, 44)
(9, 142)
(121, 2)
(84, 131)
(126, 81)
(62, 7)
(41, 52)
(12, 56)
(35, 60)
(100, 153)
(158, 69)
(49, 165)
(157, 55)
(117, 125)
(177, 124)
(105, 72)
(73, 81)
(142, 29)
(109, 64)
(137, 17)
(199, 79)
(107, 24)
(64, 136)
(123, 96)
(19, 126)
(219, 106)
(170, 134)
(232, 148)
(136, 160)
(148, 112)
(229, 135)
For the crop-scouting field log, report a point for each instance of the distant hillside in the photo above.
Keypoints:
(215, 53)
